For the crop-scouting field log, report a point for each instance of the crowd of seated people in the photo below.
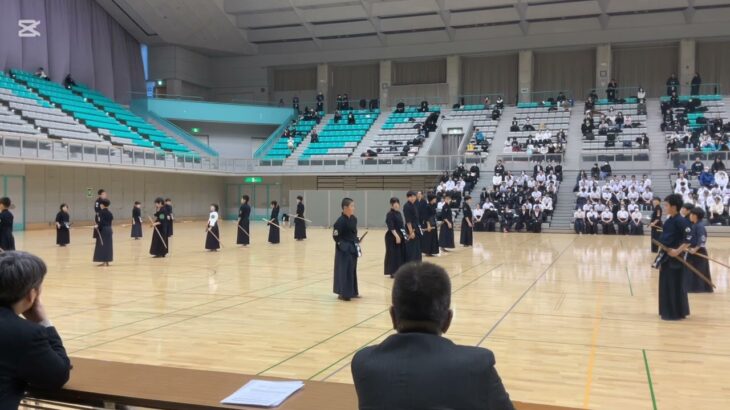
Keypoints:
(409, 147)
(543, 141)
(518, 203)
(711, 137)
(611, 123)
(706, 187)
(611, 205)
(457, 184)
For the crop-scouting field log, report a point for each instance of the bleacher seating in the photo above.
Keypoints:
(625, 137)
(399, 130)
(280, 150)
(482, 122)
(339, 139)
(709, 117)
(136, 124)
(542, 117)
(82, 114)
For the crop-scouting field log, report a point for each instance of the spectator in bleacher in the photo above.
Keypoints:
(587, 127)
(345, 102)
(674, 100)
(641, 96)
(338, 104)
(697, 167)
(619, 120)
(643, 141)
(424, 106)
(314, 137)
(338, 116)
(31, 351)
(351, 118)
(290, 143)
(611, 90)
(479, 136)
(590, 105)
(41, 73)
(419, 359)
(487, 103)
(515, 127)
(605, 170)
(696, 82)
(295, 104)
(706, 178)
(721, 179)
(496, 113)
(717, 212)
(672, 84)
(561, 98)
(499, 103)
(68, 82)
(528, 125)
(281, 102)
(320, 102)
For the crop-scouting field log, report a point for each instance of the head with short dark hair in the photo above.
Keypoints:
(63, 206)
(673, 204)
(348, 206)
(105, 202)
(214, 207)
(168, 200)
(274, 204)
(137, 203)
(21, 276)
(5, 203)
(697, 214)
(101, 191)
(686, 208)
(159, 202)
(300, 198)
(421, 298)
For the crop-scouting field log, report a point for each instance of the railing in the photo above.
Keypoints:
(179, 132)
(539, 96)
(416, 101)
(274, 136)
(477, 99)
(521, 158)
(689, 156)
(703, 89)
(136, 94)
(615, 154)
(621, 92)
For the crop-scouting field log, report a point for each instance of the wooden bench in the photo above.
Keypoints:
(102, 383)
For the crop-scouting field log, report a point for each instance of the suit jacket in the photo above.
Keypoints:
(420, 371)
(30, 356)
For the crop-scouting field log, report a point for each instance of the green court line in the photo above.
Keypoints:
(648, 377)
(631, 289)
(349, 354)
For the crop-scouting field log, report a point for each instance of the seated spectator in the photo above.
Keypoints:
(641, 96)
(605, 170)
(500, 103)
(320, 102)
(496, 113)
(721, 179)
(295, 104)
(345, 102)
(351, 118)
(314, 138)
(31, 351)
(561, 98)
(290, 143)
(672, 84)
(338, 116)
(41, 73)
(400, 108)
(515, 126)
(707, 179)
(68, 82)
(697, 167)
(424, 106)
(479, 136)
(487, 103)
(528, 125)
(429, 370)
(718, 165)
(611, 90)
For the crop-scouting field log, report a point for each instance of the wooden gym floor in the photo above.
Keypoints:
(572, 320)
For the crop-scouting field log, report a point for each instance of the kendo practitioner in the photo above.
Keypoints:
(137, 220)
(244, 218)
(7, 240)
(212, 237)
(413, 229)
(422, 207)
(158, 247)
(430, 239)
(104, 249)
(395, 238)
(623, 219)
(536, 219)
(697, 245)
(676, 236)
(467, 224)
(607, 222)
(636, 224)
(63, 234)
(170, 217)
(446, 234)
(101, 194)
(300, 227)
(579, 223)
(655, 224)
(347, 250)
(274, 219)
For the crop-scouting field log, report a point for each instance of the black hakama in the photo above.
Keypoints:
(346, 253)
(412, 246)
(636, 228)
(7, 240)
(211, 243)
(608, 228)
(694, 283)
(136, 223)
(63, 234)
(104, 249)
(673, 300)
(579, 226)
(300, 227)
(655, 235)
(623, 228)
(430, 240)
(446, 234)
(244, 225)
(159, 244)
(170, 220)
(394, 252)
(467, 235)
(274, 236)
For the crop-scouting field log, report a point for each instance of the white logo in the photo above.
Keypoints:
(28, 28)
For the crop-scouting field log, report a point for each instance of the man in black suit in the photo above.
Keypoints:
(417, 368)
(31, 352)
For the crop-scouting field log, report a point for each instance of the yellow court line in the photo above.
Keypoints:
(592, 357)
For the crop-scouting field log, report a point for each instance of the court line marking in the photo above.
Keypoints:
(592, 355)
(348, 355)
(532, 285)
(648, 378)
(628, 275)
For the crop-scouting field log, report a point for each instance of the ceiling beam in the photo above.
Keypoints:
(446, 18)
(368, 7)
(307, 25)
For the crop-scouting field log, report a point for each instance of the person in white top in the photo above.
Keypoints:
(607, 222)
(716, 210)
(721, 179)
(212, 238)
(622, 217)
(579, 223)
(450, 185)
(636, 223)
(547, 205)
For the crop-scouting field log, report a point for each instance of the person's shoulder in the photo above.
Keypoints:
(19, 332)
(474, 354)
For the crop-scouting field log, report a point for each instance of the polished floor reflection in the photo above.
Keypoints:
(572, 320)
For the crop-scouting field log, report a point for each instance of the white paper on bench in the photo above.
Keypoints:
(263, 393)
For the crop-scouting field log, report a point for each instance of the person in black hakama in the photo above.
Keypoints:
(467, 224)
(300, 227)
(212, 237)
(244, 220)
(101, 194)
(446, 233)
(137, 220)
(104, 249)
(170, 218)
(273, 222)
(413, 229)
(675, 236)
(697, 246)
(158, 247)
(347, 250)
(7, 240)
(395, 238)
(430, 239)
(422, 207)
(63, 225)
(655, 224)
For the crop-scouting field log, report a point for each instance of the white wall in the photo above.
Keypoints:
(231, 140)
(186, 72)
